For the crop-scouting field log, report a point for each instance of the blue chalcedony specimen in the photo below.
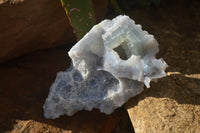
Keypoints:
(110, 64)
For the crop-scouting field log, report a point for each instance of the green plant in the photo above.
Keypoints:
(81, 15)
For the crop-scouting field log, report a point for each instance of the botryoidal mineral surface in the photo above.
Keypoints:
(110, 64)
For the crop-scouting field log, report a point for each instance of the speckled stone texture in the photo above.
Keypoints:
(172, 105)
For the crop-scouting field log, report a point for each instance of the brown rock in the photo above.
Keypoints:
(31, 25)
(172, 105)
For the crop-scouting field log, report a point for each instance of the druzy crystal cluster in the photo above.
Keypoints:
(110, 64)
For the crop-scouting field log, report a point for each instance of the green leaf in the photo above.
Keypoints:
(81, 15)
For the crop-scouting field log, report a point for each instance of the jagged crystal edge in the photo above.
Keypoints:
(110, 64)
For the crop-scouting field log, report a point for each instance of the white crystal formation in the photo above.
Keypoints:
(110, 64)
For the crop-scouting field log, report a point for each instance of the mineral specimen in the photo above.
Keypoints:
(110, 64)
